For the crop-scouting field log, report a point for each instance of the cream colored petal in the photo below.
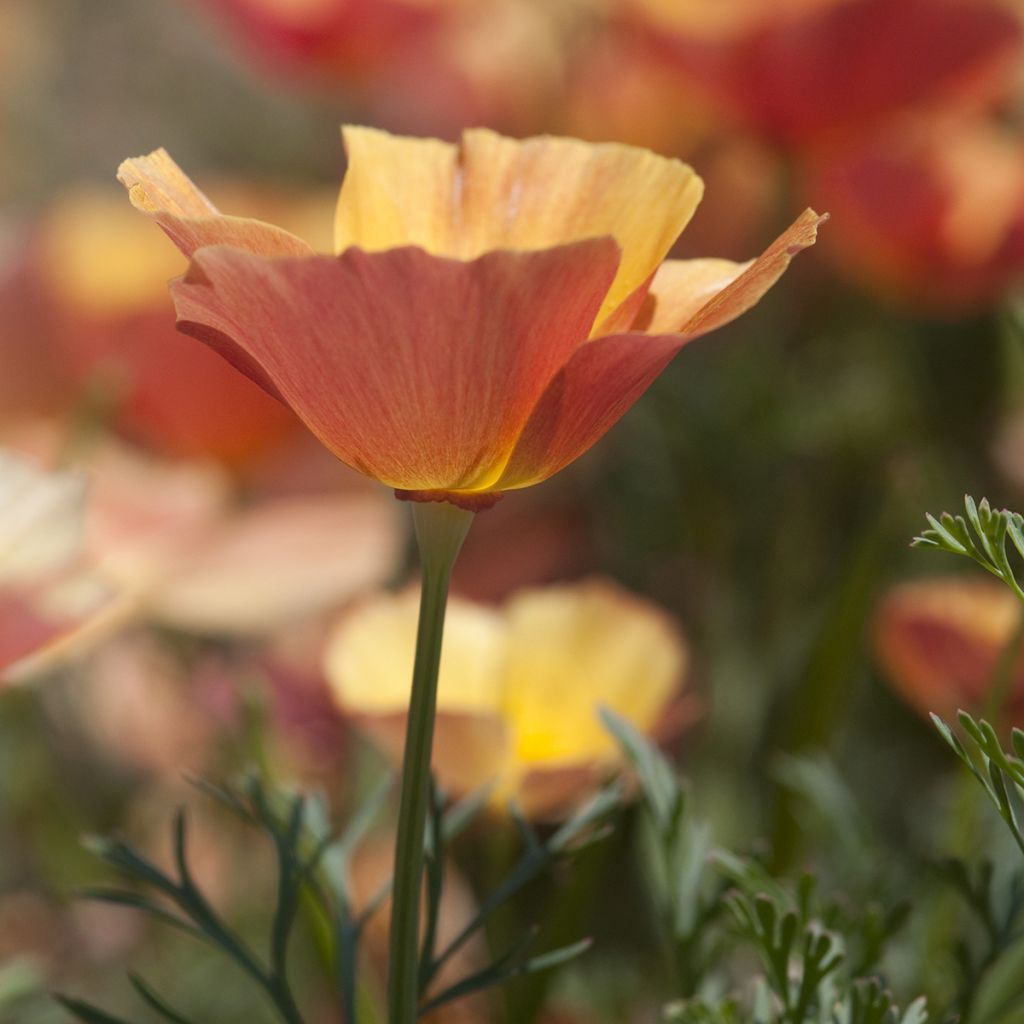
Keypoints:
(492, 192)
(575, 648)
(369, 658)
(41, 515)
(680, 288)
(282, 561)
(145, 515)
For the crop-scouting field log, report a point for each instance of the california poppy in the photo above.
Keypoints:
(494, 307)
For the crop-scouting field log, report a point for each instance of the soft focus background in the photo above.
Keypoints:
(758, 501)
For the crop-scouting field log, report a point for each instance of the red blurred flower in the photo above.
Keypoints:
(930, 211)
(800, 73)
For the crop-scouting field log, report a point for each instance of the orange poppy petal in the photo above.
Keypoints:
(605, 377)
(491, 192)
(159, 188)
(417, 370)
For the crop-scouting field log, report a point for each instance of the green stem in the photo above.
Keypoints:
(440, 531)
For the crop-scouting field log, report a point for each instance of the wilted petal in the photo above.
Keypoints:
(160, 189)
(493, 192)
(417, 370)
(606, 376)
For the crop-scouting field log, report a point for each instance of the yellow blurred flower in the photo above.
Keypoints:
(520, 687)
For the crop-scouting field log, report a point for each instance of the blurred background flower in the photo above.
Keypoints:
(520, 686)
(51, 600)
(952, 644)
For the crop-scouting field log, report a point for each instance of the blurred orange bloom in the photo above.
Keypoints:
(520, 687)
(939, 642)
(805, 70)
(101, 279)
(930, 211)
(329, 38)
(424, 65)
(494, 309)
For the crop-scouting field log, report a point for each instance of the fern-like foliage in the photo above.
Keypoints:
(313, 873)
(994, 538)
(716, 905)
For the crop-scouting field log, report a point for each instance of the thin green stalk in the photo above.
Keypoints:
(440, 531)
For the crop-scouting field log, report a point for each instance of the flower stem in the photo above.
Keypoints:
(440, 531)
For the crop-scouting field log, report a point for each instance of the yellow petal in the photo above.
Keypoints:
(370, 656)
(368, 663)
(492, 192)
(575, 648)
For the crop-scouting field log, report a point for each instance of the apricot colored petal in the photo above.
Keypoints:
(470, 750)
(282, 561)
(417, 370)
(939, 642)
(679, 289)
(551, 792)
(606, 376)
(160, 189)
(493, 192)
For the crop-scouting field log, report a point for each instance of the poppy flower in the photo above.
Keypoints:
(802, 71)
(929, 211)
(494, 307)
(940, 641)
(520, 686)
